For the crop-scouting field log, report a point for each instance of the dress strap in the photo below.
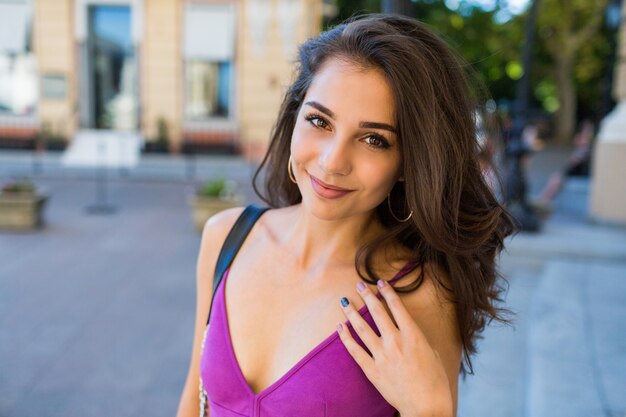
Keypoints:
(402, 272)
(233, 242)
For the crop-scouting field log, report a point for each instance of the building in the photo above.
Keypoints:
(608, 192)
(197, 74)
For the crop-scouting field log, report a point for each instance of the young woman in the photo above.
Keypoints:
(362, 290)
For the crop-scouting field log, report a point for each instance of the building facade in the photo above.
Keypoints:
(190, 74)
(607, 203)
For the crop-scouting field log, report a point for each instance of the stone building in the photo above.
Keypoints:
(608, 187)
(205, 74)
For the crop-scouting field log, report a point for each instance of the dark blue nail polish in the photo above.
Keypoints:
(345, 302)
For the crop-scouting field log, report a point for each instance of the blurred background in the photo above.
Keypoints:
(124, 124)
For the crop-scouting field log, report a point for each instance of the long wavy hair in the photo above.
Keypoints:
(457, 222)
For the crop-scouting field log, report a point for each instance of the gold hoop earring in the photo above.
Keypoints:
(289, 171)
(391, 211)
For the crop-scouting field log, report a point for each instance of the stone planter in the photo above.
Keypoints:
(21, 210)
(205, 207)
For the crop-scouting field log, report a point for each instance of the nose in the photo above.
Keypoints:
(335, 157)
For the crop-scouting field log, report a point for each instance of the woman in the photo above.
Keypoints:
(371, 173)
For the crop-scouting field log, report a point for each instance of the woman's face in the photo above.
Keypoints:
(345, 137)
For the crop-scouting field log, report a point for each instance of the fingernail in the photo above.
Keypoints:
(380, 283)
(339, 328)
(360, 286)
(344, 302)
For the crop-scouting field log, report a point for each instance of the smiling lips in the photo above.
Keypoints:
(327, 191)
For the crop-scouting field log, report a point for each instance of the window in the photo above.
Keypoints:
(18, 69)
(209, 37)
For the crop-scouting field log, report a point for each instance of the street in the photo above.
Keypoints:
(96, 311)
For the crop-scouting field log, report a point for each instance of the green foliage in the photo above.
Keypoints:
(163, 134)
(594, 68)
(19, 186)
(212, 188)
(488, 47)
(492, 50)
(217, 188)
(491, 41)
(545, 92)
(47, 133)
(349, 8)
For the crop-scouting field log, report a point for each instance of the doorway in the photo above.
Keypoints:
(111, 69)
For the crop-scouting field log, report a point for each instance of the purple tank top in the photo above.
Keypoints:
(326, 382)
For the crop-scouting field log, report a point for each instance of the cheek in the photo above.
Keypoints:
(377, 176)
(303, 144)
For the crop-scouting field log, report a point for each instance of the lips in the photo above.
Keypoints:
(326, 192)
(330, 187)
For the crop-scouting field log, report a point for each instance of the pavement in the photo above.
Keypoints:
(565, 355)
(96, 311)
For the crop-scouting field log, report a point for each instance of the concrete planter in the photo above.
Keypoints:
(205, 207)
(21, 210)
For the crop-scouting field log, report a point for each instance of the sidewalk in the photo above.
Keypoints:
(152, 167)
(96, 312)
(566, 355)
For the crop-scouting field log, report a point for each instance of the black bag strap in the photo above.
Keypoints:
(233, 242)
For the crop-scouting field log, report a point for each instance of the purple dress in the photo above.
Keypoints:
(326, 382)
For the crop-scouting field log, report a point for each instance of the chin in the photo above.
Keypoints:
(331, 210)
(325, 210)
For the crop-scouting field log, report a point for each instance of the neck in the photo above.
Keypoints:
(316, 243)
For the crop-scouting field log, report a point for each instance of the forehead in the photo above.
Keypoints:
(353, 92)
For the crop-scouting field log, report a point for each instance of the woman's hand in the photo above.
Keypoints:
(403, 367)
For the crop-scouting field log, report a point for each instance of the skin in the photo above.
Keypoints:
(305, 254)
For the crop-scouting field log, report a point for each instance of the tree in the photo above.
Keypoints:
(565, 26)
(349, 8)
(490, 39)
(493, 50)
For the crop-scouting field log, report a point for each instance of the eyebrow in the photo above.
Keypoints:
(370, 125)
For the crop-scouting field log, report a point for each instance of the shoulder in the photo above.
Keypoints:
(217, 228)
(433, 309)
(219, 224)
(214, 234)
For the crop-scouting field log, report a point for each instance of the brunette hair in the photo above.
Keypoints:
(457, 224)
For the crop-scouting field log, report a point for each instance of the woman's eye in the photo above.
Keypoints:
(317, 121)
(376, 141)
(373, 140)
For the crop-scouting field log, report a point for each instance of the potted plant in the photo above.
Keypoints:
(21, 206)
(212, 197)
(47, 138)
(161, 142)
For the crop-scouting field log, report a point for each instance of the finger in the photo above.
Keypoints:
(355, 350)
(396, 306)
(383, 321)
(360, 326)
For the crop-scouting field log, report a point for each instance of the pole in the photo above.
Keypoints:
(101, 206)
(388, 6)
(516, 149)
(612, 19)
(522, 90)
(397, 7)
